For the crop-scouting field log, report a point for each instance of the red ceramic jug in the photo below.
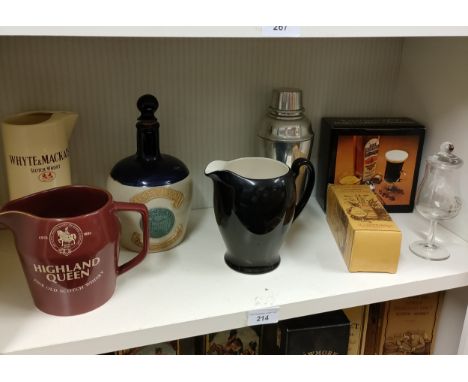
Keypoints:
(68, 242)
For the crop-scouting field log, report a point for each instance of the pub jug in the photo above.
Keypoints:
(36, 150)
(67, 239)
(255, 203)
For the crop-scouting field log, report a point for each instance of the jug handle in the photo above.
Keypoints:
(295, 167)
(140, 208)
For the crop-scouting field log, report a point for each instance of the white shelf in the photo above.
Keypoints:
(232, 31)
(190, 291)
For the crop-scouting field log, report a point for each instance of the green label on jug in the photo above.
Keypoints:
(161, 221)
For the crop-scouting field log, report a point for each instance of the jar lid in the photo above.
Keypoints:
(445, 157)
(286, 102)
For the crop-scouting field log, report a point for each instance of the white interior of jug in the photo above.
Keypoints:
(251, 167)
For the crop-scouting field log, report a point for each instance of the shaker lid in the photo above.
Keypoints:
(285, 121)
(445, 157)
(286, 102)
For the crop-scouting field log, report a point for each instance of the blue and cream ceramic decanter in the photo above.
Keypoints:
(160, 181)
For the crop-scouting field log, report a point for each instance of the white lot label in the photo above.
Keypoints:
(262, 316)
(281, 31)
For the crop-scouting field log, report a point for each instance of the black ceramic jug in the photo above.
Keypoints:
(255, 204)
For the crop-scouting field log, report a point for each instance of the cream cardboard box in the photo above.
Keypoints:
(368, 238)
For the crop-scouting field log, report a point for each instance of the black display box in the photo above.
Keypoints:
(318, 334)
(382, 152)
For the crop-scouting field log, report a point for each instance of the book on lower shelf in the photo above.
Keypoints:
(241, 341)
(404, 326)
(318, 334)
(185, 346)
(409, 325)
(358, 319)
(164, 348)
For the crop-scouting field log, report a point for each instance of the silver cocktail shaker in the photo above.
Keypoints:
(285, 133)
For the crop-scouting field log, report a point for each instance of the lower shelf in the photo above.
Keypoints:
(189, 290)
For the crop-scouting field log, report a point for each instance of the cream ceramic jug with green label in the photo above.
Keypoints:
(160, 181)
(36, 151)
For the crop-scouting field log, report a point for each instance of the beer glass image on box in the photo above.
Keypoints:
(389, 168)
(395, 159)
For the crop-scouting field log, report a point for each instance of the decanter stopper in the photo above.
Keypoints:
(445, 157)
(447, 147)
(147, 104)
